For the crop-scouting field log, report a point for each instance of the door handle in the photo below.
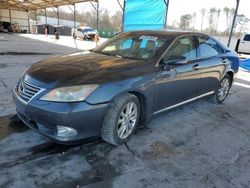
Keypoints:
(224, 60)
(196, 67)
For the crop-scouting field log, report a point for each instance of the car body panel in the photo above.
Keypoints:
(244, 45)
(171, 86)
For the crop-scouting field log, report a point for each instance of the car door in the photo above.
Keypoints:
(180, 83)
(213, 64)
(79, 32)
(244, 46)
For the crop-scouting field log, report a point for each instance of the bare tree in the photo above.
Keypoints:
(218, 11)
(211, 19)
(229, 17)
(185, 21)
(241, 23)
(194, 19)
(203, 12)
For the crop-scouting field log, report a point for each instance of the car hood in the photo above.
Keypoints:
(83, 68)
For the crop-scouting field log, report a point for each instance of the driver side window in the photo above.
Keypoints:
(183, 47)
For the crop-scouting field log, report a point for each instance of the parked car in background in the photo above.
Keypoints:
(6, 27)
(86, 33)
(243, 44)
(108, 91)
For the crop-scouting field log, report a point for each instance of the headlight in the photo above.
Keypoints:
(69, 94)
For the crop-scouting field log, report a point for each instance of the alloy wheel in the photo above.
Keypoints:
(224, 89)
(127, 120)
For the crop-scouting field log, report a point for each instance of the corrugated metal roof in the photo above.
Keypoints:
(37, 4)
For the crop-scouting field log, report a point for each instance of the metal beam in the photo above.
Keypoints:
(97, 16)
(58, 17)
(36, 16)
(74, 16)
(46, 21)
(28, 21)
(124, 5)
(166, 16)
(233, 24)
(121, 5)
(10, 15)
(42, 4)
(94, 6)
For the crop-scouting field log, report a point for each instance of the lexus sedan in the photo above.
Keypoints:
(108, 91)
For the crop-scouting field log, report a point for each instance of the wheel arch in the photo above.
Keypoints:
(143, 105)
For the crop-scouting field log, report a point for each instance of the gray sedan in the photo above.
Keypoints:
(124, 82)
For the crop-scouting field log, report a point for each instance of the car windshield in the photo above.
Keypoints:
(88, 30)
(132, 46)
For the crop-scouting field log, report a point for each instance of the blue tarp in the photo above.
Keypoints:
(144, 14)
(245, 64)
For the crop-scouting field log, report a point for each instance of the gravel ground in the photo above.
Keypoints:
(198, 145)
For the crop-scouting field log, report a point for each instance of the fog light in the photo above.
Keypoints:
(63, 131)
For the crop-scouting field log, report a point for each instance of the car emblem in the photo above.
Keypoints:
(21, 88)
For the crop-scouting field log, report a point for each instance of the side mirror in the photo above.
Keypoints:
(177, 60)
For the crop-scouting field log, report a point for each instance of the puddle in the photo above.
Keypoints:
(159, 149)
(9, 125)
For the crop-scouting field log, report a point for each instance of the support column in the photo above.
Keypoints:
(36, 16)
(123, 10)
(233, 24)
(28, 21)
(46, 21)
(166, 17)
(97, 16)
(74, 16)
(10, 15)
(58, 17)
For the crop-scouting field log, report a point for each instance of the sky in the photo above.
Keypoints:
(177, 8)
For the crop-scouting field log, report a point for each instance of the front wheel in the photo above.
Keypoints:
(223, 91)
(121, 119)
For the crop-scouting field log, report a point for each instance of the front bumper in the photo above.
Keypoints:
(44, 116)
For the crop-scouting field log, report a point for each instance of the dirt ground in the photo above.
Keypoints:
(198, 145)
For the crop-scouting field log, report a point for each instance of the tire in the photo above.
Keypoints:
(117, 119)
(74, 36)
(222, 93)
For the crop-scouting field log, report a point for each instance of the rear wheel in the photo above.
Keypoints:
(121, 119)
(223, 91)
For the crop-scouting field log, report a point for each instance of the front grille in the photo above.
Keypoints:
(26, 91)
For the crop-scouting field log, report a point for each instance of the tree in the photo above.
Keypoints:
(214, 15)
(217, 18)
(203, 13)
(241, 23)
(211, 19)
(194, 19)
(185, 21)
(229, 17)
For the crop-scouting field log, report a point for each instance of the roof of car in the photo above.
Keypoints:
(164, 32)
(85, 27)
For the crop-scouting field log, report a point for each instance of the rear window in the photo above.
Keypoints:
(247, 38)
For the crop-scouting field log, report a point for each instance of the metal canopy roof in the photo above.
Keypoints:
(37, 4)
